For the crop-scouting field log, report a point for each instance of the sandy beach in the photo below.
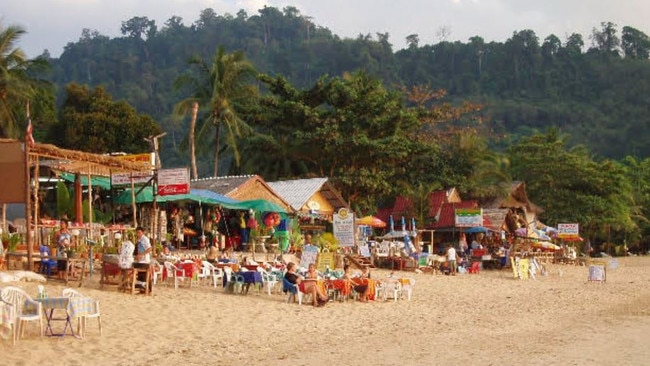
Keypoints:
(485, 319)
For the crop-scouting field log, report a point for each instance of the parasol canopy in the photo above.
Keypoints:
(371, 221)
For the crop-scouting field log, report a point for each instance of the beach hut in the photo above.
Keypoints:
(81, 164)
(315, 200)
(242, 188)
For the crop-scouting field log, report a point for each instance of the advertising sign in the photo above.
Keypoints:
(344, 227)
(146, 159)
(173, 181)
(125, 178)
(568, 231)
(468, 217)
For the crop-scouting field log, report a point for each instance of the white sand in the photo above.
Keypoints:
(484, 319)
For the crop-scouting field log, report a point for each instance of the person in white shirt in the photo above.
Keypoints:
(144, 246)
(451, 259)
(144, 254)
(126, 253)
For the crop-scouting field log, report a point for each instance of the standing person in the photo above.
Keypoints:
(144, 246)
(451, 259)
(243, 231)
(143, 258)
(63, 239)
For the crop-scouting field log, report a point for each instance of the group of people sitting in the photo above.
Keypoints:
(318, 296)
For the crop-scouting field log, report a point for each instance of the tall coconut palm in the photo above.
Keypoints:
(223, 88)
(182, 108)
(15, 85)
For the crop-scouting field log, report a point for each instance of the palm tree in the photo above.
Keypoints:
(224, 89)
(182, 108)
(16, 87)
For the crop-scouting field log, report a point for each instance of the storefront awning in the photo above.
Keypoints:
(103, 182)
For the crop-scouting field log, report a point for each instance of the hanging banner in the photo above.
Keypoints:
(469, 217)
(173, 181)
(343, 223)
(568, 231)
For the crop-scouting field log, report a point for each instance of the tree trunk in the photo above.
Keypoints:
(217, 125)
(195, 111)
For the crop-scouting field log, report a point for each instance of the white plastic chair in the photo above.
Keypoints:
(157, 272)
(210, 271)
(174, 273)
(407, 289)
(268, 279)
(386, 289)
(18, 298)
(68, 292)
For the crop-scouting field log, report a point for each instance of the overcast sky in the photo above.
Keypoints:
(51, 24)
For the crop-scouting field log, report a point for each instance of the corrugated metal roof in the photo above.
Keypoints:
(222, 185)
(298, 191)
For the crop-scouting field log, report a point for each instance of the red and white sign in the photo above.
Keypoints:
(173, 181)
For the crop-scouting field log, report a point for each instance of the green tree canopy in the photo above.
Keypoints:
(91, 121)
(571, 186)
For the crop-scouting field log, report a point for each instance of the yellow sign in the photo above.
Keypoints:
(343, 213)
(145, 158)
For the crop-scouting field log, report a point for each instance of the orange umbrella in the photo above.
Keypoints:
(371, 221)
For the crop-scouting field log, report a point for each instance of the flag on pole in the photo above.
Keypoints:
(29, 137)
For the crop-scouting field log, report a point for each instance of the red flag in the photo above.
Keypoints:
(29, 138)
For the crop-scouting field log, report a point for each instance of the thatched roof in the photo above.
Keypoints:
(73, 161)
(517, 199)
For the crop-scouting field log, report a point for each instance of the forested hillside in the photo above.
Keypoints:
(595, 87)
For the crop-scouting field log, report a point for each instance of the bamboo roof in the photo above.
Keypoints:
(79, 162)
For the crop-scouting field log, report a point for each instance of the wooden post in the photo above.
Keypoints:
(4, 218)
(37, 213)
(89, 234)
(135, 221)
(78, 207)
(28, 207)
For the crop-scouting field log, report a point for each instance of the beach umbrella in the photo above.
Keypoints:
(403, 224)
(371, 221)
(391, 223)
(414, 231)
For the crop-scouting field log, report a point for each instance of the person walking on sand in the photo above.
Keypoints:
(451, 259)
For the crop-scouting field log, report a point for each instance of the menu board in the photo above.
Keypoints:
(325, 260)
(309, 255)
(343, 224)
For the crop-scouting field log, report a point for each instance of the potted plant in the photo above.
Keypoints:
(5, 240)
(14, 240)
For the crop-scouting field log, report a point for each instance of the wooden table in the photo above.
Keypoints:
(129, 278)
